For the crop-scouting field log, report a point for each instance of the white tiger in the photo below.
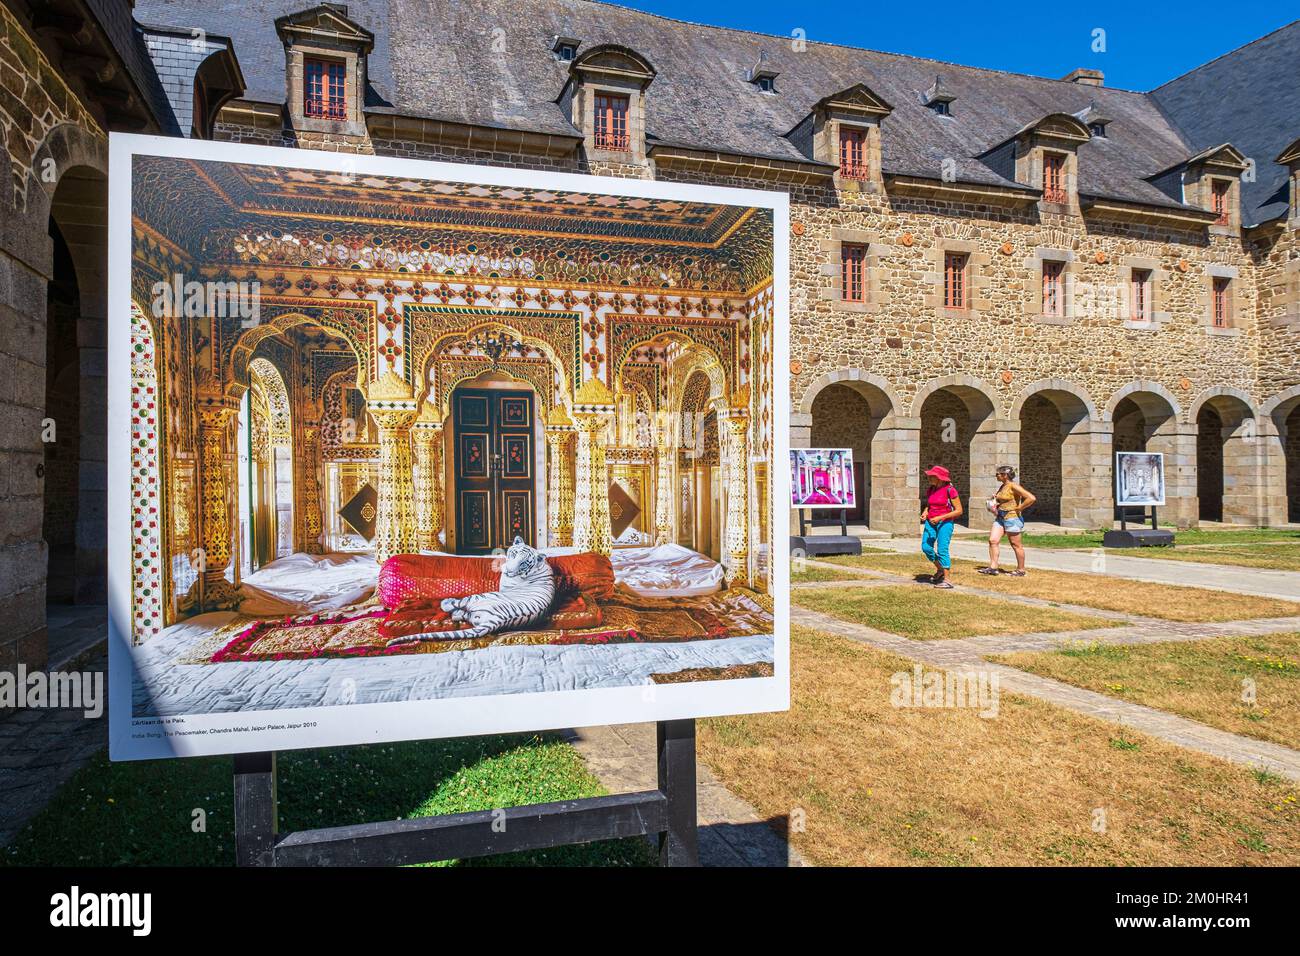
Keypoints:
(526, 594)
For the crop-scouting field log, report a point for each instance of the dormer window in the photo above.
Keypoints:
(565, 48)
(853, 152)
(1054, 177)
(938, 99)
(611, 121)
(324, 89)
(1097, 129)
(1219, 200)
(325, 70)
(605, 97)
(761, 75)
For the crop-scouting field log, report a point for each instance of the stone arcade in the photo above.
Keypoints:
(984, 267)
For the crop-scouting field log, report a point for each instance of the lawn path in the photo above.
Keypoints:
(969, 652)
(1261, 582)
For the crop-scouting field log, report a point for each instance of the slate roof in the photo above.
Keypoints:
(489, 63)
(114, 18)
(250, 24)
(1250, 98)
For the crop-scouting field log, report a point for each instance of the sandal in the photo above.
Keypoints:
(989, 571)
(1017, 573)
(946, 585)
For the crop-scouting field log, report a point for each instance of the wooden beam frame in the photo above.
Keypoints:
(668, 811)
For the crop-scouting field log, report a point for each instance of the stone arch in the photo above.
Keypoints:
(978, 396)
(1142, 392)
(1058, 451)
(1229, 460)
(1223, 397)
(1279, 423)
(1062, 392)
(854, 378)
(1146, 417)
(66, 147)
(958, 415)
(66, 205)
(847, 408)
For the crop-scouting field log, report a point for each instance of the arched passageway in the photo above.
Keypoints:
(955, 433)
(848, 415)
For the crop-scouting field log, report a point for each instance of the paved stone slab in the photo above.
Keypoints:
(731, 831)
(1261, 582)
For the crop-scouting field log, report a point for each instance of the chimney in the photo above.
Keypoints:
(1085, 77)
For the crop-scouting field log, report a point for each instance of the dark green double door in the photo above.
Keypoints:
(495, 480)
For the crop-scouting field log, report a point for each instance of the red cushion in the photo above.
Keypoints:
(422, 580)
(588, 573)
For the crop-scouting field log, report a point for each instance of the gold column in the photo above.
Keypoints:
(308, 499)
(426, 435)
(737, 541)
(216, 451)
(391, 402)
(593, 408)
(559, 484)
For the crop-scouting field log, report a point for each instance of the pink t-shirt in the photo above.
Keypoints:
(940, 501)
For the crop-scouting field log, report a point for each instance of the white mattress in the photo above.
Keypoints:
(668, 570)
(303, 582)
(309, 582)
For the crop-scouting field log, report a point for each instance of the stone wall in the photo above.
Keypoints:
(1040, 456)
(46, 132)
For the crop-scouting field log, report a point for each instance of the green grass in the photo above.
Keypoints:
(809, 575)
(1273, 548)
(143, 813)
(1244, 685)
(931, 614)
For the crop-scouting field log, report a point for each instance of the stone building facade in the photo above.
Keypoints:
(1040, 272)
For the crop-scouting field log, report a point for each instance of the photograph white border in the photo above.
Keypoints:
(132, 738)
(1164, 480)
(790, 497)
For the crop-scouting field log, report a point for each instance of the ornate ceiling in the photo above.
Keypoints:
(233, 215)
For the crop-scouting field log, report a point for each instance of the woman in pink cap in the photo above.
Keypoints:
(942, 508)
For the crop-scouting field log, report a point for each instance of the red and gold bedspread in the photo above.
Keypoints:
(625, 618)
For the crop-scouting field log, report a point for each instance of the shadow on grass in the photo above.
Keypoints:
(180, 812)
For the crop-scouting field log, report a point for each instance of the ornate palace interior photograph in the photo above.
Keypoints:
(397, 438)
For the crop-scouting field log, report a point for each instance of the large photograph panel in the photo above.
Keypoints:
(419, 450)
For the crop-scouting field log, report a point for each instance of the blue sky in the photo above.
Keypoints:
(1146, 43)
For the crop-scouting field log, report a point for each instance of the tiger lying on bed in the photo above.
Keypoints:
(526, 593)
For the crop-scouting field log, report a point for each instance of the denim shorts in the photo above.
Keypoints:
(1014, 525)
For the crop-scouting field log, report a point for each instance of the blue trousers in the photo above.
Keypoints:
(934, 542)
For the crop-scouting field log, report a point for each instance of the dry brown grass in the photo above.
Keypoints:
(1200, 680)
(886, 786)
(811, 574)
(1166, 601)
(929, 614)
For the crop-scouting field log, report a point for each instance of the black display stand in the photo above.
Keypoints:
(1126, 537)
(814, 545)
(668, 811)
